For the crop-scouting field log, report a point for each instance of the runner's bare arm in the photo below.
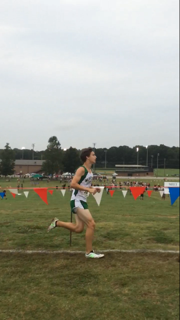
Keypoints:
(77, 177)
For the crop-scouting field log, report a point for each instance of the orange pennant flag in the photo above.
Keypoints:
(111, 192)
(14, 195)
(149, 192)
(42, 192)
(50, 191)
(137, 191)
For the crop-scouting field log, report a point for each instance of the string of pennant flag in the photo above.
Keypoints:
(135, 191)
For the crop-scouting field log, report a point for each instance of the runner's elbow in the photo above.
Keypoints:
(72, 185)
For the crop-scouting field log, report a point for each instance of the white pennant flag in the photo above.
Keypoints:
(161, 193)
(19, 194)
(63, 191)
(26, 193)
(124, 192)
(15, 191)
(98, 195)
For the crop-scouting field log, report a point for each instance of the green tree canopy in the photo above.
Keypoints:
(53, 157)
(71, 160)
(53, 143)
(7, 161)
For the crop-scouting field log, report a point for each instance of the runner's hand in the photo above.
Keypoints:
(92, 190)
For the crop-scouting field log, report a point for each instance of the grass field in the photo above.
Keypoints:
(166, 172)
(160, 172)
(67, 286)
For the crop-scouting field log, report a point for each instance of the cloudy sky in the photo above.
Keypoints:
(89, 71)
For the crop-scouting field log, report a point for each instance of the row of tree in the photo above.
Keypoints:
(56, 159)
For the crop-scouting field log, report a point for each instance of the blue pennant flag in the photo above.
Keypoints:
(174, 194)
(2, 195)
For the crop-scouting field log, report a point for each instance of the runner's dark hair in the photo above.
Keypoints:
(85, 153)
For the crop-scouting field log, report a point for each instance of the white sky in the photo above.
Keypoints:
(89, 71)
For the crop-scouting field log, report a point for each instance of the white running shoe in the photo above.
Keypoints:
(94, 255)
(53, 224)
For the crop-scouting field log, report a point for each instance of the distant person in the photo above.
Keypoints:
(163, 196)
(4, 195)
(142, 195)
(81, 185)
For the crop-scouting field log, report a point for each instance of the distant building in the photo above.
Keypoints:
(28, 166)
(133, 170)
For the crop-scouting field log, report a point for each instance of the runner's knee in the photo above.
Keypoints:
(91, 224)
(79, 229)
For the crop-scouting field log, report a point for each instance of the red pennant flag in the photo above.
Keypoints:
(14, 195)
(50, 191)
(111, 192)
(137, 191)
(42, 192)
(149, 192)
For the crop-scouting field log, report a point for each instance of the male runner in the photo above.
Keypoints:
(81, 183)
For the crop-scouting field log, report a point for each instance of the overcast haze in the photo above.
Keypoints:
(89, 71)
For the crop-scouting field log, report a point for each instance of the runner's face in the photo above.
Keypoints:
(92, 157)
